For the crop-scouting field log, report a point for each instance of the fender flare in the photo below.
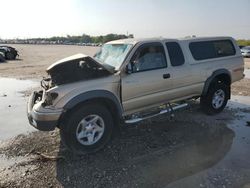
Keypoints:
(211, 78)
(95, 94)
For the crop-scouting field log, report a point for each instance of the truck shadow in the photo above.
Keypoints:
(152, 154)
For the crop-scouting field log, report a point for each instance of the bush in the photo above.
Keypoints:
(243, 42)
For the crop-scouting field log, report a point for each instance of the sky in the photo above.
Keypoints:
(143, 18)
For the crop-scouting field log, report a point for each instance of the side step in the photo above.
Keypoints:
(169, 109)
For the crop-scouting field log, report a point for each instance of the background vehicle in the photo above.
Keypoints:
(245, 51)
(10, 53)
(132, 80)
(2, 57)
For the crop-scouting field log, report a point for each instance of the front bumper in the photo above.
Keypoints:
(45, 120)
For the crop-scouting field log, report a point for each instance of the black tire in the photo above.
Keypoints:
(206, 101)
(69, 129)
(10, 56)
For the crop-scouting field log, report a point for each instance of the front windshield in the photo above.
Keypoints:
(113, 54)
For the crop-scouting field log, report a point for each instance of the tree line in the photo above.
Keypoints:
(243, 42)
(85, 38)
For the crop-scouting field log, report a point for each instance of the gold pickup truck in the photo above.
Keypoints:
(131, 80)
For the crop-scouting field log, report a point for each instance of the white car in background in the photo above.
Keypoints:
(245, 51)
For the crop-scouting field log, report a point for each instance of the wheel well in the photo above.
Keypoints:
(221, 78)
(224, 78)
(109, 104)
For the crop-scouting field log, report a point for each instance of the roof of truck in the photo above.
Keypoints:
(136, 40)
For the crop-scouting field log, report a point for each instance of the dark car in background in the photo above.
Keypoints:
(9, 52)
(2, 58)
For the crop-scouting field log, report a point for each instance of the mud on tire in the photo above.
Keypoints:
(87, 129)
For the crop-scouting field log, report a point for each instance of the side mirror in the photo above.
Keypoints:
(129, 68)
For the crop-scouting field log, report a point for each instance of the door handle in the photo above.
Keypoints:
(166, 76)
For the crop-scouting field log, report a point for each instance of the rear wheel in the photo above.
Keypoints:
(216, 98)
(88, 129)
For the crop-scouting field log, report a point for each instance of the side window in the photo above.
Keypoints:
(175, 53)
(224, 48)
(202, 50)
(149, 57)
(211, 49)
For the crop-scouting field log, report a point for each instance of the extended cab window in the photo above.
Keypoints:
(224, 48)
(211, 49)
(175, 53)
(149, 57)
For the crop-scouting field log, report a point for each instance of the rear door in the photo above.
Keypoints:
(149, 79)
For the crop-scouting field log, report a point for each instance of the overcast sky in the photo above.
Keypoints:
(143, 18)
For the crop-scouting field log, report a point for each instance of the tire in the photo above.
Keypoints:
(10, 56)
(212, 105)
(81, 135)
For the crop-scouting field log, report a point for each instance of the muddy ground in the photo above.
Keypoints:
(190, 150)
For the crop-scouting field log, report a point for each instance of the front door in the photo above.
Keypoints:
(149, 79)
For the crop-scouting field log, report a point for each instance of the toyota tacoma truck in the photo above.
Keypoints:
(131, 80)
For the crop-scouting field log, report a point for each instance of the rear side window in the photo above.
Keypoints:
(211, 49)
(175, 53)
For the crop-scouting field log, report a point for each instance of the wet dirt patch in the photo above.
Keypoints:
(241, 87)
(150, 154)
(13, 118)
(233, 170)
(193, 150)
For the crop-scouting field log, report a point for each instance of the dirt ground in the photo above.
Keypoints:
(190, 150)
(34, 59)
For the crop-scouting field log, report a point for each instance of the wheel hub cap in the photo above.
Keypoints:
(90, 130)
(218, 99)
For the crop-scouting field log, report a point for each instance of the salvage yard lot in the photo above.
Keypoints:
(34, 59)
(191, 150)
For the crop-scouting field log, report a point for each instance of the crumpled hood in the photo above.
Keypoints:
(77, 68)
(82, 57)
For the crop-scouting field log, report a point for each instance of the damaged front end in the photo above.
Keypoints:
(42, 112)
(75, 68)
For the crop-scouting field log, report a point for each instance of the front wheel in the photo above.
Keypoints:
(88, 129)
(216, 98)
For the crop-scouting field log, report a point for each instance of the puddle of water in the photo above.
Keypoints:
(234, 168)
(216, 148)
(238, 101)
(13, 118)
(240, 148)
(205, 149)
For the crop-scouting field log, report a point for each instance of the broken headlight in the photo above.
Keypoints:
(49, 98)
